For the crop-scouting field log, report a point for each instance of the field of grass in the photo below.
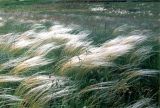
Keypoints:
(79, 55)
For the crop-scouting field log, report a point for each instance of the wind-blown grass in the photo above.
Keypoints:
(57, 68)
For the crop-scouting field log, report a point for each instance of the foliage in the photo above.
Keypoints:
(60, 65)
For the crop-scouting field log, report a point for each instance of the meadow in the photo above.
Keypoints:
(56, 54)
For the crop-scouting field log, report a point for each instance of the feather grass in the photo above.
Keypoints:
(60, 68)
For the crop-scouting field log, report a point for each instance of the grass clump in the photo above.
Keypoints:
(55, 67)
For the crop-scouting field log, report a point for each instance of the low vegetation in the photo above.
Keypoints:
(45, 64)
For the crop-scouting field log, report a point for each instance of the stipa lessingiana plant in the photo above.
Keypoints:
(105, 54)
(7, 99)
(40, 90)
(57, 68)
